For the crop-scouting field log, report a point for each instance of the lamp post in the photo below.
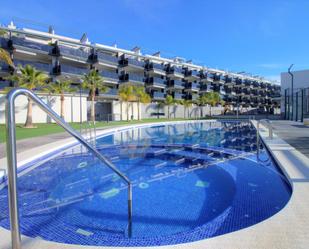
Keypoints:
(292, 87)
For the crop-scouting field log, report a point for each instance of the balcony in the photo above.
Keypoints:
(248, 83)
(130, 64)
(29, 46)
(210, 77)
(6, 43)
(68, 70)
(73, 53)
(192, 75)
(106, 60)
(132, 78)
(192, 87)
(155, 68)
(222, 90)
(230, 81)
(192, 97)
(175, 84)
(174, 72)
(155, 82)
(5, 68)
(246, 91)
(206, 88)
(240, 82)
(177, 96)
(256, 85)
(110, 77)
(44, 67)
(219, 79)
(158, 95)
(111, 93)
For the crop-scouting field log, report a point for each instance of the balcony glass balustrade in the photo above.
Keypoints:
(132, 62)
(132, 77)
(210, 77)
(37, 65)
(107, 58)
(67, 69)
(113, 92)
(155, 66)
(192, 86)
(155, 81)
(73, 53)
(177, 96)
(109, 75)
(158, 95)
(176, 84)
(23, 43)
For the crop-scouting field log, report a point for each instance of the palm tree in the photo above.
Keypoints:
(31, 79)
(4, 55)
(169, 100)
(126, 93)
(202, 101)
(93, 81)
(213, 99)
(61, 87)
(186, 103)
(141, 97)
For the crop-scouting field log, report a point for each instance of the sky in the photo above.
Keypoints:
(262, 37)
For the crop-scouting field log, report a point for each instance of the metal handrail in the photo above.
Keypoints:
(270, 133)
(270, 128)
(12, 161)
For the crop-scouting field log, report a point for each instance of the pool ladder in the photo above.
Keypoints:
(12, 159)
(270, 132)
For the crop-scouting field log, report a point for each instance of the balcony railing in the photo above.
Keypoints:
(132, 63)
(176, 84)
(111, 92)
(66, 69)
(29, 45)
(192, 74)
(155, 66)
(158, 95)
(210, 77)
(107, 58)
(219, 78)
(110, 75)
(206, 88)
(37, 65)
(192, 86)
(155, 81)
(174, 70)
(132, 77)
(177, 96)
(73, 53)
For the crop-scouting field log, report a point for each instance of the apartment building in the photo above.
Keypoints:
(67, 58)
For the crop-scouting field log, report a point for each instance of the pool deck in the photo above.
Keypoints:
(287, 229)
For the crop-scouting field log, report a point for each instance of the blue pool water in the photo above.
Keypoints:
(190, 182)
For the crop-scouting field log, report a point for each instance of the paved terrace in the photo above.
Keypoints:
(294, 133)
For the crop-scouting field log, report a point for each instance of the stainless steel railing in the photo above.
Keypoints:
(269, 126)
(12, 161)
(270, 133)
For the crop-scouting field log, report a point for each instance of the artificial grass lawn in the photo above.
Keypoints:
(45, 129)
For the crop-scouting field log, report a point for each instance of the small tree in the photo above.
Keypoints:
(141, 97)
(169, 100)
(126, 94)
(213, 99)
(31, 79)
(93, 81)
(60, 87)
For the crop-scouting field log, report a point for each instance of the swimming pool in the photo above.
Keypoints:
(191, 181)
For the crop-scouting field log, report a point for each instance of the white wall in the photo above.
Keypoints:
(71, 107)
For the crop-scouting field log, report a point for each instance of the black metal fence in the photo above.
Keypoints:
(296, 104)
